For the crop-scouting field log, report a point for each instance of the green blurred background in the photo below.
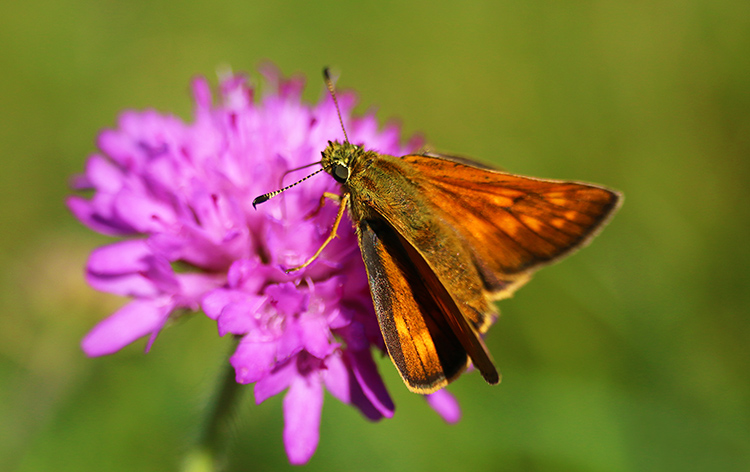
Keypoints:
(630, 356)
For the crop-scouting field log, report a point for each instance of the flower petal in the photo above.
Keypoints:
(136, 319)
(340, 381)
(215, 301)
(445, 405)
(366, 373)
(303, 404)
(128, 268)
(288, 299)
(315, 336)
(96, 214)
(142, 212)
(239, 318)
(253, 360)
(275, 382)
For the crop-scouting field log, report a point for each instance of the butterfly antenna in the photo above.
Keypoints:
(332, 90)
(267, 196)
(287, 172)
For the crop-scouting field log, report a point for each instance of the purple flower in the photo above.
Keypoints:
(181, 196)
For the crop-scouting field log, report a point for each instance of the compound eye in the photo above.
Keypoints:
(340, 173)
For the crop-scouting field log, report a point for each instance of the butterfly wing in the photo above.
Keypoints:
(441, 238)
(513, 224)
(428, 338)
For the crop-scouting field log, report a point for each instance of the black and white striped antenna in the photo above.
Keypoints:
(267, 196)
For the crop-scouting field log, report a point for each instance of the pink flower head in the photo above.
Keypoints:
(181, 195)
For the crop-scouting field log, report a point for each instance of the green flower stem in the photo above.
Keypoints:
(205, 455)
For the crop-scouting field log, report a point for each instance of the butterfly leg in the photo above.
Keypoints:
(326, 195)
(342, 207)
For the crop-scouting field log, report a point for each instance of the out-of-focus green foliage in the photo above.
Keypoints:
(630, 356)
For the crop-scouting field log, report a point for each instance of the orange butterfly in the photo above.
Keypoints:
(442, 238)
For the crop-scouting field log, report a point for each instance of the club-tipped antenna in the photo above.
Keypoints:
(332, 90)
(267, 196)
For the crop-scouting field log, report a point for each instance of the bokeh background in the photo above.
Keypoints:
(630, 356)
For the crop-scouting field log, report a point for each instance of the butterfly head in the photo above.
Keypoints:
(338, 159)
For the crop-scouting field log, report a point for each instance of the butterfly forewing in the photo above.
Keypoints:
(512, 224)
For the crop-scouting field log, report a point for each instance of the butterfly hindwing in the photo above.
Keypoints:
(420, 322)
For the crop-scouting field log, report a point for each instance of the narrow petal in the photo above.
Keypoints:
(120, 258)
(146, 214)
(214, 302)
(288, 299)
(248, 274)
(315, 336)
(340, 381)
(136, 319)
(167, 244)
(239, 318)
(201, 94)
(253, 360)
(337, 377)
(117, 146)
(193, 286)
(129, 268)
(90, 214)
(366, 373)
(275, 382)
(445, 405)
(103, 175)
(290, 341)
(303, 404)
